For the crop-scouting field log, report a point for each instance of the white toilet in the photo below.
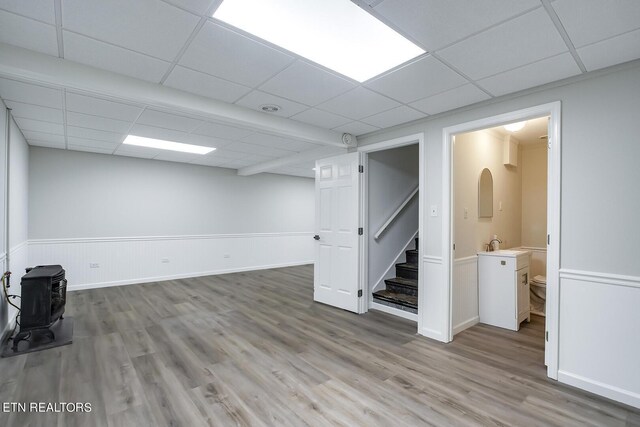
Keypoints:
(538, 294)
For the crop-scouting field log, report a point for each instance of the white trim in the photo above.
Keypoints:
(432, 259)
(601, 278)
(3, 255)
(533, 248)
(553, 110)
(18, 247)
(417, 138)
(433, 334)
(393, 143)
(602, 389)
(182, 276)
(466, 324)
(156, 238)
(394, 311)
(396, 213)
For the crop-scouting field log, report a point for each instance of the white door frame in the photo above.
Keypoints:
(553, 110)
(402, 141)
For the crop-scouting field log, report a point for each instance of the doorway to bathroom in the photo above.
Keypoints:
(501, 229)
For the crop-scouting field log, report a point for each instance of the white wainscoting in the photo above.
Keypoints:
(18, 261)
(465, 293)
(599, 347)
(433, 301)
(129, 260)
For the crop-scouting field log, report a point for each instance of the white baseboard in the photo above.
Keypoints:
(611, 392)
(183, 276)
(466, 325)
(394, 311)
(433, 334)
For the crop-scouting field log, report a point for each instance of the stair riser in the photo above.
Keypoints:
(412, 257)
(406, 273)
(403, 307)
(402, 289)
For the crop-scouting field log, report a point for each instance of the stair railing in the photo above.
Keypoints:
(395, 214)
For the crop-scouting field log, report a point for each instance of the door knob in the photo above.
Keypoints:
(316, 237)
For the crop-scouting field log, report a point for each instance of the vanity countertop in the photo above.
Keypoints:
(505, 253)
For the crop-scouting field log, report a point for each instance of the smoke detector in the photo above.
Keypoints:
(270, 108)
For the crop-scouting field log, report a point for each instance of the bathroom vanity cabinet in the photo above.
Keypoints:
(503, 288)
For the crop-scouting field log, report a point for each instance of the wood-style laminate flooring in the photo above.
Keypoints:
(254, 349)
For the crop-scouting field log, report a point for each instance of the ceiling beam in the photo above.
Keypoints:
(315, 154)
(33, 67)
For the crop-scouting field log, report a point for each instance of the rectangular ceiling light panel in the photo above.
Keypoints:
(334, 33)
(166, 145)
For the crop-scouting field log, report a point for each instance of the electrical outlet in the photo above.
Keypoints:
(165, 260)
(227, 256)
(94, 265)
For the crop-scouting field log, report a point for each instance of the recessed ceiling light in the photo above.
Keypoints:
(270, 108)
(515, 127)
(336, 34)
(141, 141)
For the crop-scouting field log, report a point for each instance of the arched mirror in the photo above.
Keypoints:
(485, 194)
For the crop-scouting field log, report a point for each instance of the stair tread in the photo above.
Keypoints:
(402, 299)
(403, 281)
(407, 266)
(413, 251)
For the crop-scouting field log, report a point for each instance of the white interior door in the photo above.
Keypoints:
(337, 267)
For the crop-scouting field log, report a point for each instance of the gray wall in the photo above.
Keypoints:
(14, 207)
(392, 175)
(83, 195)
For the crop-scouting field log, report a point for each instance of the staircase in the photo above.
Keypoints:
(402, 291)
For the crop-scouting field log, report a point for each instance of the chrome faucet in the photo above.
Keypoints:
(490, 244)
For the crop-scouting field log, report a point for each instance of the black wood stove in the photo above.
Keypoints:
(42, 304)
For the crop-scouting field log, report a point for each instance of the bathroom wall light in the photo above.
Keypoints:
(515, 127)
(141, 141)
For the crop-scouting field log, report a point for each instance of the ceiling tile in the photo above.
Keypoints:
(112, 58)
(175, 156)
(256, 99)
(422, 78)
(160, 133)
(611, 51)
(35, 112)
(224, 53)
(12, 90)
(590, 21)
(101, 107)
(39, 126)
(39, 136)
(94, 134)
(451, 99)
(250, 149)
(147, 26)
(99, 123)
(27, 33)
(208, 161)
(205, 85)
(520, 41)
(306, 83)
(46, 144)
(217, 130)
(359, 103)
(356, 128)
(103, 145)
(133, 151)
(89, 149)
(394, 117)
(41, 10)
(321, 118)
(199, 7)
(168, 121)
(278, 142)
(437, 23)
(538, 73)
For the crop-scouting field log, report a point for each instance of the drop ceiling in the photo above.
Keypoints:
(476, 51)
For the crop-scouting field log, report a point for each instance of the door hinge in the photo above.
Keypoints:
(359, 293)
(546, 336)
(548, 239)
(360, 231)
(361, 168)
(454, 246)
